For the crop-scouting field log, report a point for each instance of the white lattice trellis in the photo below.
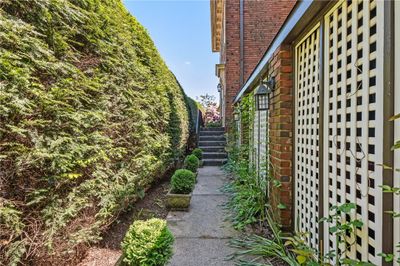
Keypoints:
(263, 165)
(307, 54)
(255, 139)
(353, 121)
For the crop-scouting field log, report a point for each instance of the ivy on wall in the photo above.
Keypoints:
(90, 115)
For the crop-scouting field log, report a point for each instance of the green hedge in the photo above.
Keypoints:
(183, 181)
(89, 116)
(198, 153)
(191, 163)
(147, 243)
(194, 108)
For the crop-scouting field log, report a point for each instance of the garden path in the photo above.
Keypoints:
(202, 233)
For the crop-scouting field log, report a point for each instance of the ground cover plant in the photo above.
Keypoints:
(90, 115)
(147, 243)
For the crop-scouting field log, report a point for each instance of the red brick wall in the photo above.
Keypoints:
(262, 20)
(232, 50)
(281, 135)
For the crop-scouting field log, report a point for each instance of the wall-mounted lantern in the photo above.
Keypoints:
(262, 94)
(219, 87)
(236, 115)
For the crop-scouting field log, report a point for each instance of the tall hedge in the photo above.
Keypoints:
(89, 116)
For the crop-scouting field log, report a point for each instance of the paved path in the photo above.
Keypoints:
(201, 235)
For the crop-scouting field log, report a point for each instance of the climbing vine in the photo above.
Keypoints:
(248, 197)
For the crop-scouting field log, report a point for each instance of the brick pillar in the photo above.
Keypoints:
(281, 135)
(232, 50)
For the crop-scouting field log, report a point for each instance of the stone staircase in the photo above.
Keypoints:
(212, 142)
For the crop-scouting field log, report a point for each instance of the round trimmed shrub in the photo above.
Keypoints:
(198, 153)
(148, 243)
(182, 182)
(191, 163)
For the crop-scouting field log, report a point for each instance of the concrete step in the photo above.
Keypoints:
(213, 162)
(214, 155)
(212, 149)
(212, 143)
(211, 133)
(212, 138)
(219, 129)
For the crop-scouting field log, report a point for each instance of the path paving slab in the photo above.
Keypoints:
(205, 218)
(201, 252)
(202, 233)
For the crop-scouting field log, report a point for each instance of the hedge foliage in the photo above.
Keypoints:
(89, 116)
(148, 243)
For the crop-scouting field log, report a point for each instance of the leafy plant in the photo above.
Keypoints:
(148, 243)
(191, 163)
(298, 245)
(182, 182)
(248, 190)
(260, 248)
(90, 115)
(395, 256)
(198, 153)
(247, 194)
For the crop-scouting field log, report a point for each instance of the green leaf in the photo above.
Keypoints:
(387, 257)
(281, 206)
(397, 116)
(333, 229)
(358, 223)
(301, 259)
(347, 207)
(385, 167)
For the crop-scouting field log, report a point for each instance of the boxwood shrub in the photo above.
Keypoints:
(148, 243)
(182, 182)
(198, 153)
(191, 163)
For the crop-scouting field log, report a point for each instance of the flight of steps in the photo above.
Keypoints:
(212, 143)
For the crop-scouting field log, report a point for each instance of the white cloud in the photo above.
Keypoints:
(188, 63)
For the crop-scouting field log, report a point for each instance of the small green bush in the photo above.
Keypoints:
(198, 153)
(191, 163)
(148, 243)
(182, 182)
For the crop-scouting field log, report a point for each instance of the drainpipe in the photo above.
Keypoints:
(241, 25)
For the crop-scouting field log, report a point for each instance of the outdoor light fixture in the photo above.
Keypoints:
(262, 94)
(236, 115)
(219, 86)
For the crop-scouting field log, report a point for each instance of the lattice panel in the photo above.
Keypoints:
(263, 166)
(307, 54)
(239, 130)
(353, 115)
(255, 140)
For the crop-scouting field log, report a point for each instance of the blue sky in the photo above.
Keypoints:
(181, 31)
